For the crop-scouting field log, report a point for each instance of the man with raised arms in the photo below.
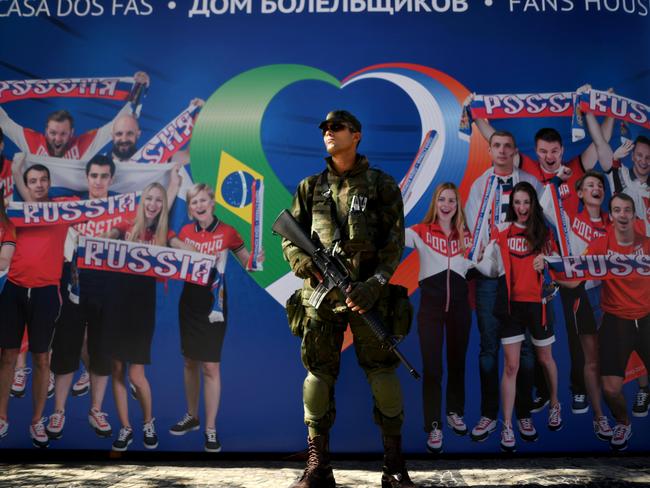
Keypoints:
(632, 182)
(626, 304)
(59, 139)
(549, 151)
(126, 132)
(493, 199)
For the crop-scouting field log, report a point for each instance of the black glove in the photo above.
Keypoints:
(306, 269)
(364, 294)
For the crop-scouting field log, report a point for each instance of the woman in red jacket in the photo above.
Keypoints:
(518, 248)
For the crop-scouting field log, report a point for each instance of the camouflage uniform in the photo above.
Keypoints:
(371, 243)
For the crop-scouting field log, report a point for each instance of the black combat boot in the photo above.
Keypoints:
(394, 472)
(318, 473)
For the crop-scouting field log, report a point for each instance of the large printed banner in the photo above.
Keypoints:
(24, 214)
(236, 92)
(143, 260)
(606, 267)
(105, 88)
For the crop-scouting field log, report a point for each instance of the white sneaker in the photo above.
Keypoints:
(602, 429)
(456, 423)
(4, 427)
(555, 417)
(434, 439)
(50, 386)
(19, 383)
(483, 429)
(98, 422)
(82, 386)
(508, 443)
(54, 429)
(622, 434)
(527, 430)
(38, 434)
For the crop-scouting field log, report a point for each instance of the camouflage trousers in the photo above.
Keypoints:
(322, 338)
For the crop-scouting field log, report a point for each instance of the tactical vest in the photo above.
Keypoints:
(346, 209)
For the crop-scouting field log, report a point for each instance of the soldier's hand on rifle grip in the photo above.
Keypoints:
(363, 295)
(306, 269)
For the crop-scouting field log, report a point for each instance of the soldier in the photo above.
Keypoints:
(358, 212)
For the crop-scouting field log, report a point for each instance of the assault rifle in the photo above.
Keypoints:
(335, 275)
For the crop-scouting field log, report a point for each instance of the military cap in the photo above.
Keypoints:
(341, 116)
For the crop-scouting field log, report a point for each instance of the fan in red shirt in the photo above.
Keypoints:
(31, 297)
(518, 248)
(59, 139)
(202, 337)
(549, 151)
(579, 304)
(626, 322)
(7, 247)
(544, 166)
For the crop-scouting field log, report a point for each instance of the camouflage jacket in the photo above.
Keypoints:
(369, 209)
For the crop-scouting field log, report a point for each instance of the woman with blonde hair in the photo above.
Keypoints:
(441, 240)
(202, 325)
(131, 313)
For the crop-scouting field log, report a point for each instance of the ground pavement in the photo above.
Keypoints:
(605, 471)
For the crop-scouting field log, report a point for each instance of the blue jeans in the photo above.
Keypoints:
(489, 329)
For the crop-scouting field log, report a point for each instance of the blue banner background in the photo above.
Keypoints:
(486, 49)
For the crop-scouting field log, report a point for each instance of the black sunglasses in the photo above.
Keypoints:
(335, 127)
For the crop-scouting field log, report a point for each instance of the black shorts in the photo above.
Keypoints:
(617, 338)
(129, 318)
(201, 340)
(522, 316)
(578, 312)
(36, 308)
(69, 336)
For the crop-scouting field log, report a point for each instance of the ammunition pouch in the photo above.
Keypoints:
(295, 313)
(400, 311)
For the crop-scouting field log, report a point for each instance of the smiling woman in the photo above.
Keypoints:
(519, 246)
(130, 323)
(202, 312)
(441, 241)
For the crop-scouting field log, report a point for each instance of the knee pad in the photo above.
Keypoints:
(387, 392)
(315, 396)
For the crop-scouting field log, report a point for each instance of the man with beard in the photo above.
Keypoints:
(126, 132)
(59, 140)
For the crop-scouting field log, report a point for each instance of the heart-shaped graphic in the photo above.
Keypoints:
(226, 149)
